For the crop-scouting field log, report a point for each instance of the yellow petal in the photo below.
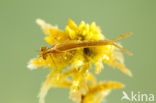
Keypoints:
(70, 32)
(122, 68)
(45, 27)
(72, 24)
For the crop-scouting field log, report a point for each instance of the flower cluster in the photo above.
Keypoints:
(72, 68)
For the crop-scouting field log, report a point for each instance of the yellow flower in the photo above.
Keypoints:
(70, 56)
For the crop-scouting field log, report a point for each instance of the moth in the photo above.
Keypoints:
(71, 45)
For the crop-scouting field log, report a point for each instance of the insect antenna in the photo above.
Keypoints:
(121, 36)
(122, 49)
(37, 51)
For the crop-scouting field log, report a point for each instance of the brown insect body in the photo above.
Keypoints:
(67, 46)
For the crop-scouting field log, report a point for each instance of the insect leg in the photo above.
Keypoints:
(51, 56)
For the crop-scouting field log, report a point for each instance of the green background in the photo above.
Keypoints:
(20, 37)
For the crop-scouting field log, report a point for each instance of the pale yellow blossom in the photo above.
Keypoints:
(72, 68)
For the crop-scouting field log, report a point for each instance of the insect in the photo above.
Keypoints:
(71, 45)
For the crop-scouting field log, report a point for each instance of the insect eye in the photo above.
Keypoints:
(43, 48)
